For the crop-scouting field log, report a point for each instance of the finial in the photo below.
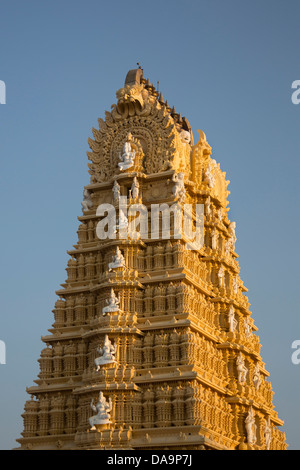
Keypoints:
(161, 98)
(139, 65)
(167, 106)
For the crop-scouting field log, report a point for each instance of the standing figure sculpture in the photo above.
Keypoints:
(268, 433)
(116, 191)
(231, 320)
(241, 368)
(250, 427)
(256, 377)
(221, 275)
(134, 192)
(102, 408)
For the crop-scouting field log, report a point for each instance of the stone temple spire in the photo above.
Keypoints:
(153, 345)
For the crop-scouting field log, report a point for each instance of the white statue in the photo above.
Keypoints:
(208, 207)
(116, 191)
(232, 320)
(134, 192)
(241, 368)
(113, 304)
(127, 157)
(107, 353)
(221, 275)
(102, 409)
(214, 239)
(231, 229)
(118, 260)
(209, 176)
(256, 377)
(247, 327)
(235, 285)
(123, 221)
(179, 189)
(268, 433)
(250, 427)
(87, 201)
(185, 136)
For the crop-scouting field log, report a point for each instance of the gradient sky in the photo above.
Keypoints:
(228, 66)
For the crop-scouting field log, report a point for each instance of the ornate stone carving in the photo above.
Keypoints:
(177, 365)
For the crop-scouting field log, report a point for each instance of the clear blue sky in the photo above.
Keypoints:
(226, 65)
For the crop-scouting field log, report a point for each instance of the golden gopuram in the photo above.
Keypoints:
(153, 345)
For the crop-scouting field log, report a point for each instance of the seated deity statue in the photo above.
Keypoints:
(127, 157)
(107, 353)
(103, 409)
(118, 260)
(113, 304)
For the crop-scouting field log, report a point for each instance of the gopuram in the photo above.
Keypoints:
(153, 345)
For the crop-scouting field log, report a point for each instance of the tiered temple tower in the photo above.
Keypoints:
(153, 345)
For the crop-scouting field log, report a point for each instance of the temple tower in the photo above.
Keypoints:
(153, 345)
